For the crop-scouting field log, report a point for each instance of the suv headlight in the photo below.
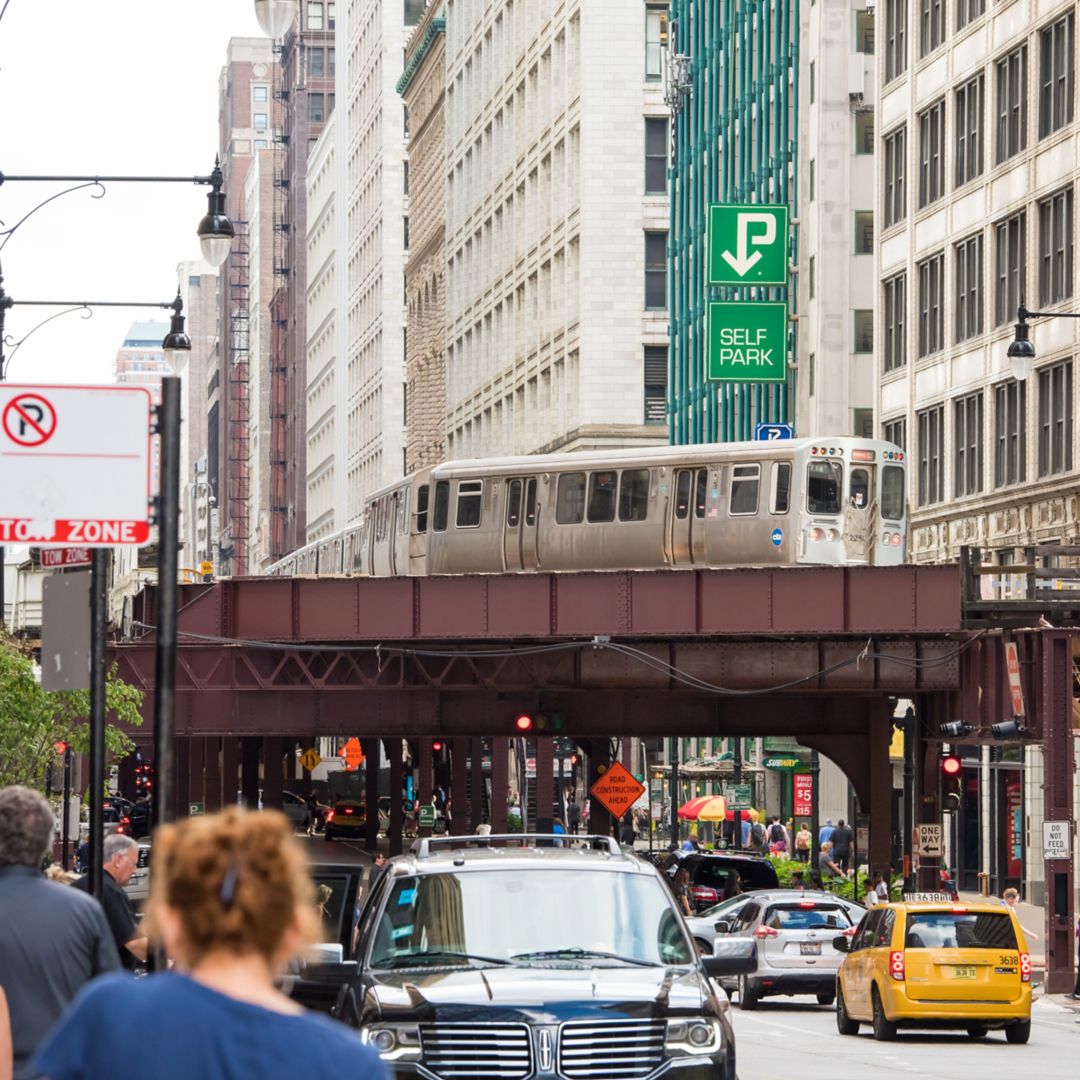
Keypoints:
(694, 1035)
(394, 1042)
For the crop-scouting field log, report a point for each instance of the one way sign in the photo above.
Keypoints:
(773, 432)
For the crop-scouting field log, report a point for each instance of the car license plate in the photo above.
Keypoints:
(810, 948)
(960, 972)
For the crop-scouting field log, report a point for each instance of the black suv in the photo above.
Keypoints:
(523, 956)
(718, 876)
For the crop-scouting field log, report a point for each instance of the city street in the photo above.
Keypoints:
(795, 1037)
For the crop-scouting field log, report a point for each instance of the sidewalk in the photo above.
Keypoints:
(1032, 920)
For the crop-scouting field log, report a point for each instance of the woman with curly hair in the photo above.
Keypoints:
(232, 903)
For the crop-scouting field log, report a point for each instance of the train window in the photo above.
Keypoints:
(602, 496)
(745, 480)
(570, 502)
(634, 495)
(530, 502)
(513, 504)
(824, 482)
(469, 495)
(404, 527)
(421, 508)
(892, 493)
(682, 493)
(781, 487)
(700, 492)
(442, 506)
(380, 520)
(859, 487)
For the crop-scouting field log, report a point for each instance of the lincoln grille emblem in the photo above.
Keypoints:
(545, 1050)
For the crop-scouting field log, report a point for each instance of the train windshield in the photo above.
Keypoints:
(892, 493)
(824, 484)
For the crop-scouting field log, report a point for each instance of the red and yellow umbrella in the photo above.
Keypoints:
(704, 808)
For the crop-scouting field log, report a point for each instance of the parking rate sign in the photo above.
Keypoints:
(747, 244)
(746, 342)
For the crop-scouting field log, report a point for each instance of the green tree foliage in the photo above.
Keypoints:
(32, 719)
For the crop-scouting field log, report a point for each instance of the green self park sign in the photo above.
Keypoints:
(746, 245)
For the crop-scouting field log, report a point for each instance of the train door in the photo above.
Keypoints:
(860, 512)
(520, 551)
(393, 512)
(686, 523)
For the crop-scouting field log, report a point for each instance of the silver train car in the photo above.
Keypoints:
(832, 502)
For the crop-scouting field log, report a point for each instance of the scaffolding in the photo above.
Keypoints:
(239, 416)
(733, 74)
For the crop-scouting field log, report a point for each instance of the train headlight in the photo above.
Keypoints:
(817, 534)
(897, 539)
(832, 535)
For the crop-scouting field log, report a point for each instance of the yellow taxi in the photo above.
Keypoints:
(936, 964)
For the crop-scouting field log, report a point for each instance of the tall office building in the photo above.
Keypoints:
(977, 166)
(556, 226)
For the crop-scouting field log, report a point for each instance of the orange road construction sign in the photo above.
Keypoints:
(352, 754)
(617, 790)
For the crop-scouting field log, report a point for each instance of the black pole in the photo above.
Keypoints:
(737, 774)
(165, 651)
(908, 726)
(65, 837)
(97, 719)
(815, 807)
(673, 755)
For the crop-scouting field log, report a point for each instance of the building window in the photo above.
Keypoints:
(969, 136)
(656, 150)
(864, 232)
(1010, 433)
(260, 121)
(895, 431)
(811, 276)
(1055, 419)
(813, 179)
(895, 169)
(331, 15)
(810, 373)
(656, 374)
(1011, 89)
(931, 25)
(931, 154)
(864, 32)
(895, 307)
(316, 63)
(331, 65)
(316, 108)
(655, 39)
(864, 132)
(656, 270)
(931, 455)
(968, 447)
(315, 17)
(1057, 56)
(1056, 247)
(1010, 266)
(262, 144)
(259, 94)
(931, 305)
(813, 83)
(969, 295)
(895, 38)
(864, 331)
(968, 11)
(862, 423)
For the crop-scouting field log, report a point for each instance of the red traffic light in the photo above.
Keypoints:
(436, 746)
(524, 722)
(60, 747)
(950, 766)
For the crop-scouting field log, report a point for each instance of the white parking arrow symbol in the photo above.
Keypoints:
(744, 259)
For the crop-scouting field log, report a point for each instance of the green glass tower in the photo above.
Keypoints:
(733, 90)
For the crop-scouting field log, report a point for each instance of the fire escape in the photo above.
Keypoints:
(239, 459)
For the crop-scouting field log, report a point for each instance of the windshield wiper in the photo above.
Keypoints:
(575, 953)
(436, 956)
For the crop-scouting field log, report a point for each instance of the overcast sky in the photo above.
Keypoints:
(112, 87)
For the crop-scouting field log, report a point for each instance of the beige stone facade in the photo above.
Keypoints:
(423, 87)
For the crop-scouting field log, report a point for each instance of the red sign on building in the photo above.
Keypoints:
(804, 794)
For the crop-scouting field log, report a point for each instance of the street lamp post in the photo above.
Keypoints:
(1021, 349)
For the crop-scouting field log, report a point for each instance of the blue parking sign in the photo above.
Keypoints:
(773, 432)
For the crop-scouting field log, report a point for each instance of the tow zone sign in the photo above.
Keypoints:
(75, 465)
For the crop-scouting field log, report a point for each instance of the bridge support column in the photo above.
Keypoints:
(927, 800)
(425, 782)
(476, 803)
(397, 817)
(197, 771)
(249, 770)
(372, 759)
(273, 757)
(458, 785)
(600, 821)
(212, 760)
(545, 784)
(878, 801)
(230, 769)
(500, 779)
(181, 766)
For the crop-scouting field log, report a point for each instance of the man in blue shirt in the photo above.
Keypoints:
(825, 832)
(53, 939)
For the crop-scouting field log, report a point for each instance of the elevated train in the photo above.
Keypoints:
(833, 502)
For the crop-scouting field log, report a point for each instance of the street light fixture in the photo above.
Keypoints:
(1021, 349)
(275, 16)
(176, 344)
